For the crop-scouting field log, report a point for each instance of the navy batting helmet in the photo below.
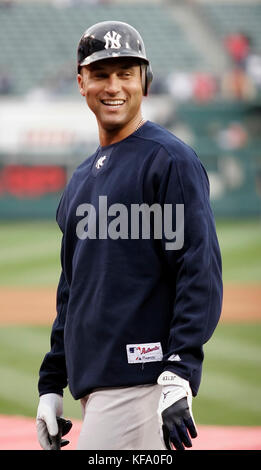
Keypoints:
(110, 39)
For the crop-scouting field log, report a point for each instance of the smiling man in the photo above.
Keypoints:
(135, 303)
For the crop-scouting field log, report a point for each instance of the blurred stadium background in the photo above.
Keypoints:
(206, 58)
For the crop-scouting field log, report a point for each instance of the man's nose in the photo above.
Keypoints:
(112, 84)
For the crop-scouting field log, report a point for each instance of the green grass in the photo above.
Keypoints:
(22, 349)
(231, 382)
(30, 252)
(229, 392)
(240, 243)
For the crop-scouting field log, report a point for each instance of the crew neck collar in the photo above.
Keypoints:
(106, 147)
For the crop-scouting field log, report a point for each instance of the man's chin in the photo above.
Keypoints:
(113, 125)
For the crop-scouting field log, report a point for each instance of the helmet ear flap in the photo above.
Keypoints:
(146, 78)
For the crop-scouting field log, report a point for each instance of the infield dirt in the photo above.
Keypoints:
(37, 306)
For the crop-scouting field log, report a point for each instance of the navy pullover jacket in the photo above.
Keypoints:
(128, 308)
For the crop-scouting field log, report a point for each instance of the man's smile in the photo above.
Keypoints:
(114, 103)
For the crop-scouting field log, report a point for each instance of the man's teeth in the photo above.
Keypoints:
(113, 102)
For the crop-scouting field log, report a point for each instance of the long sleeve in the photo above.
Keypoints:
(53, 373)
(194, 269)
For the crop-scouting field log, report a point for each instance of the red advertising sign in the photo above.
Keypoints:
(31, 181)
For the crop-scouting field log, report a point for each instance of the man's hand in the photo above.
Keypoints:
(50, 426)
(175, 412)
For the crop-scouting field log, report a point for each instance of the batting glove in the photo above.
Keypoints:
(50, 426)
(175, 412)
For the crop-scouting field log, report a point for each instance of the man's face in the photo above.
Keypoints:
(113, 91)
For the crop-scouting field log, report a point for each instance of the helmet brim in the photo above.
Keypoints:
(113, 54)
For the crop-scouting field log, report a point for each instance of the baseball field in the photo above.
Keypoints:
(228, 405)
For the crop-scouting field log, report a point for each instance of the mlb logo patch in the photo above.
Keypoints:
(145, 352)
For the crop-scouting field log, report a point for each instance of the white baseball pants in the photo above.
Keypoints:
(121, 418)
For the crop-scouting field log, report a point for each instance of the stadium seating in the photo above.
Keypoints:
(228, 17)
(39, 40)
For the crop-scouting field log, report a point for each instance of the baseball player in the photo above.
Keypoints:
(140, 290)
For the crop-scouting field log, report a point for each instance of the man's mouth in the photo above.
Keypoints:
(115, 103)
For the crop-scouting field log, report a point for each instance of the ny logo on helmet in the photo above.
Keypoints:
(112, 40)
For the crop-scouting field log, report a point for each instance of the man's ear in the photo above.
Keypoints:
(80, 84)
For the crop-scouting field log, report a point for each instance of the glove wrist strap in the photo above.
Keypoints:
(168, 378)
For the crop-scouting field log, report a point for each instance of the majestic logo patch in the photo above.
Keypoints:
(100, 162)
(112, 40)
(174, 357)
(148, 352)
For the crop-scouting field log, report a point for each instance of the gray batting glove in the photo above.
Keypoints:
(50, 407)
(176, 421)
